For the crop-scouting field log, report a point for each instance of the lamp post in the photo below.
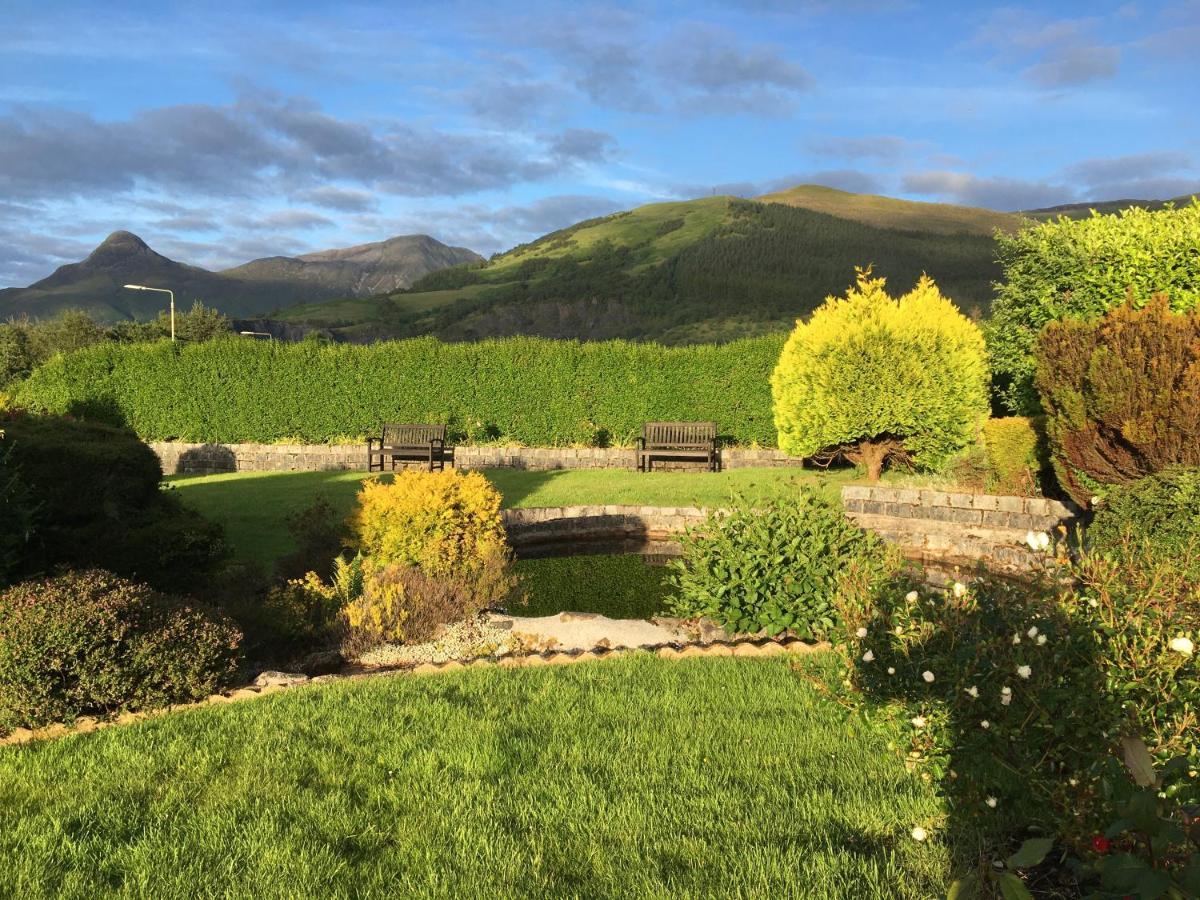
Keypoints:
(142, 287)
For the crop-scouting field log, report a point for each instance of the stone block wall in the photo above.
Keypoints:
(575, 530)
(947, 528)
(206, 459)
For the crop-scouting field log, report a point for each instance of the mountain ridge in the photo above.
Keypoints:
(96, 283)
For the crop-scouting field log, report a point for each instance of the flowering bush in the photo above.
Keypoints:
(1018, 693)
(776, 565)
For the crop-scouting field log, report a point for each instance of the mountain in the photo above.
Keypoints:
(360, 271)
(711, 269)
(97, 283)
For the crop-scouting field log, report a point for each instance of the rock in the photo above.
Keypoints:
(586, 631)
(282, 679)
(324, 662)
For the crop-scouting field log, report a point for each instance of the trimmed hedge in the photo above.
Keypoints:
(524, 390)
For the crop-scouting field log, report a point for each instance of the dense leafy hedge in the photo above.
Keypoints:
(527, 390)
(1159, 516)
(1081, 269)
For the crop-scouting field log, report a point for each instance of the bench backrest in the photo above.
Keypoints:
(680, 435)
(395, 435)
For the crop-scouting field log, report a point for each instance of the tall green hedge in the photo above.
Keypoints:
(525, 390)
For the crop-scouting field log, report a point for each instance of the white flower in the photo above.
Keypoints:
(991, 802)
(1005, 696)
(985, 724)
(1182, 645)
(1041, 639)
(862, 633)
(928, 676)
(919, 833)
(869, 656)
(891, 671)
(919, 722)
(1073, 782)
(1092, 602)
(1043, 540)
(899, 629)
(912, 596)
(1024, 671)
(1031, 540)
(959, 589)
(1016, 638)
(1032, 632)
(974, 692)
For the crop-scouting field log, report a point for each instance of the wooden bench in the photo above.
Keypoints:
(678, 441)
(415, 443)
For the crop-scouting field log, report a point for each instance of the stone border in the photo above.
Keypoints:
(741, 648)
(536, 532)
(209, 459)
(952, 528)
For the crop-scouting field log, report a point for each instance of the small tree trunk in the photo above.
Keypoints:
(873, 454)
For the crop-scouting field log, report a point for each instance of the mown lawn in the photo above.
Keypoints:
(632, 777)
(254, 506)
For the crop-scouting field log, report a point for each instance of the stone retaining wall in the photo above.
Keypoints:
(591, 530)
(946, 528)
(206, 459)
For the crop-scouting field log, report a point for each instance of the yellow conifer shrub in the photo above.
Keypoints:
(872, 378)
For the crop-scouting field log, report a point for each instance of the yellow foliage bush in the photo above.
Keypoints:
(1015, 451)
(870, 376)
(439, 522)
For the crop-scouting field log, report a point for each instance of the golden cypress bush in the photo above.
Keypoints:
(872, 378)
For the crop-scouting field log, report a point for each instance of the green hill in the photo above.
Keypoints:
(701, 270)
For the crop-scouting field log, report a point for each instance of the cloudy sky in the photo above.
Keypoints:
(220, 132)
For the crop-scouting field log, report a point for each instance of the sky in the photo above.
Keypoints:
(222, 132)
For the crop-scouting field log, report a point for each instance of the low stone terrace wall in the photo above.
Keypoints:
(205, 459)
(592, 530)
(944, 528)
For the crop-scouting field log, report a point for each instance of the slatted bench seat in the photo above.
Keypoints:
(678, 441)
(409, 442)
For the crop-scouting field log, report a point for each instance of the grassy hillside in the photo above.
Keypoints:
(711, 269)
(1104, 207)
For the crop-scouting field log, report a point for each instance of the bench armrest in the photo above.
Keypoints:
(641, 443)
(371, 441)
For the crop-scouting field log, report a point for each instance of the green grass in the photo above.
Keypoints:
(633, 777)
(620, 587)
(254, 506)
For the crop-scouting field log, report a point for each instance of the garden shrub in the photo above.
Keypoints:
(305, 614)
(405, 604)
(1122, 395)
(1080, 269)
(434, 551)
(91, 642)
(319, 536)
(871, 378)
(775, 565)
(99, 503)
(441, 522)
(1015, 449)
(529, 391)
(1158, 514)
(17, 507)
(1018, 694)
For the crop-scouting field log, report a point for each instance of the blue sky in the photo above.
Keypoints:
(224, 132)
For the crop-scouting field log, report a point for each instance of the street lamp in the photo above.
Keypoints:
(258, 334)
(142, 287)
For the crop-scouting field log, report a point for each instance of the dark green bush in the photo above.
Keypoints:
(524, 390)
(91, 642)
(99, 503)
(779, 564)
(16, 512)
(1122, 396)
(1159, 514)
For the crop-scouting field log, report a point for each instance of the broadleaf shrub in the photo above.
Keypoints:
(1080, 269)
(100, 503)
(1122, 395)
(17, 507)
(777, 564)
(524, 390)
(91, 642)
(869, 376)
